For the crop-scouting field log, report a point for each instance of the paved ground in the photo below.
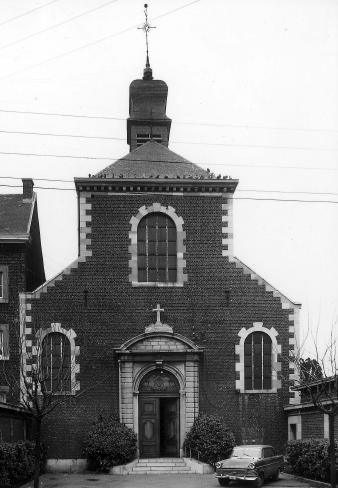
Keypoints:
(93, 480)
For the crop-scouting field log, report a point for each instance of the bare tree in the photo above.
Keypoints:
(317, 382)
(47, 378)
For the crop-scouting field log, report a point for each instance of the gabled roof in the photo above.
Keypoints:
(15, 217)
(152, 160)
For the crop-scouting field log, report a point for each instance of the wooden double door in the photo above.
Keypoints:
(158, 426)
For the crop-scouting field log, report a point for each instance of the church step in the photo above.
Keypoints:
(161, 460)
(162, 463)
(160, 468)
(185, 471)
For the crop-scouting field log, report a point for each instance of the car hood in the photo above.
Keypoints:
(237, 462)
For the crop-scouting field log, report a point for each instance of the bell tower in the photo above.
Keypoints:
(147, 105)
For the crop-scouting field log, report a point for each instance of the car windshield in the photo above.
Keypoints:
(246, 451)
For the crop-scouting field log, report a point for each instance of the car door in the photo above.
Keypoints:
(268, 454)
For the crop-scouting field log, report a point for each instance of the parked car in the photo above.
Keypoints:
(254, 463)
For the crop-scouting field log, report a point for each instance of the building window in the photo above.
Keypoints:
(56, 363)
(143, 138)
(257, 361)
(3, 284)
(4, 341)
(157, 249)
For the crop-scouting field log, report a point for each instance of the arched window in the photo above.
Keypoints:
(157, 249)
(56, 363)
(257, 361)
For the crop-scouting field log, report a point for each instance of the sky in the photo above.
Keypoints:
(253, 92)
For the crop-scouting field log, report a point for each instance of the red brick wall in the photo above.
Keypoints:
(312, 425)
(116, 312)
(13, 256)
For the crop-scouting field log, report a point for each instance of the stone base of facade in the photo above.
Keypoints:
(66, 465)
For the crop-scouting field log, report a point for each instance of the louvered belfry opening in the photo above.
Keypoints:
(157, 249)
(257, 361)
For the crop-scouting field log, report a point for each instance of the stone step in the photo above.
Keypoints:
(160, 468)
(185, 471)
(162, 464)
(161, 460)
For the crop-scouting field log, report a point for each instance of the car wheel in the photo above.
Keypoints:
(276, 475)
(223, 482)
(259, 481)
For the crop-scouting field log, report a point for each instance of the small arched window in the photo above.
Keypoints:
(56, 363)
(157, 249)
(257, 361)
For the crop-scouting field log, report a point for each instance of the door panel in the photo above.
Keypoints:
(169, 426)
(149, 432)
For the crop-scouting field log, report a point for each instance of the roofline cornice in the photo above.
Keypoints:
(156, 184)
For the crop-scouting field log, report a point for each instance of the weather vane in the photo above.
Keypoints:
(146, 28)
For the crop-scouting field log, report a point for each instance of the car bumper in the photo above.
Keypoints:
(237, 477)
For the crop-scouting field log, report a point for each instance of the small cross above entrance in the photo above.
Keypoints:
(158, 310)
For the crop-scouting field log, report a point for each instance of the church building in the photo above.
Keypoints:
(157, 320)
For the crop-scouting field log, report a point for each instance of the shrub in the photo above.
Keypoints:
(17, 462)
(309, 458)
(109, 444)
(210, 439)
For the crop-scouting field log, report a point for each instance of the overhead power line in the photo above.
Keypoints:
(54, 26)
(110, 158)
(245, 190)
(223, 144)
(28, 12)
(211, 124)
(97, 41)
(290, 200)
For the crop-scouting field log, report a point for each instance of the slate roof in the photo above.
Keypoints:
(15, 217)
(152, 160)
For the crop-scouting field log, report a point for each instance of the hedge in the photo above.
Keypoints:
(209, 439)
(109, 444)
(309, 458)
(17, 462)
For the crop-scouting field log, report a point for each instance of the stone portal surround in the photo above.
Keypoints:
(186, 372)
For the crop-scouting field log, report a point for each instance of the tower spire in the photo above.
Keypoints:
(147, 73)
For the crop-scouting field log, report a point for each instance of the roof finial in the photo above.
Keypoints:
(147, 73)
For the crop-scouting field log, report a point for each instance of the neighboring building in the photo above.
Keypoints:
(21, 270)
(157, 320)
(305, 420)
(16, 423)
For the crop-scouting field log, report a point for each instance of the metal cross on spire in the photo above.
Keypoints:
(146, 28)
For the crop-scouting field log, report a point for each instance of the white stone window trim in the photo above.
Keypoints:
(4, 283)
(275, 364)
(74, 353)
(181, 249)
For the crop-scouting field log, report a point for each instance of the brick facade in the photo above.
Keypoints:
(107, 314)
(96, 300)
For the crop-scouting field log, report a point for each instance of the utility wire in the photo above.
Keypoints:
(237, 190)
(212, 124)
(110, 158)
(223, 144)
(28, 12)
(97, 41)
(235, 198)
(59, 24)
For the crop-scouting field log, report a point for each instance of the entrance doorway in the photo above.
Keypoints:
(159, 415)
